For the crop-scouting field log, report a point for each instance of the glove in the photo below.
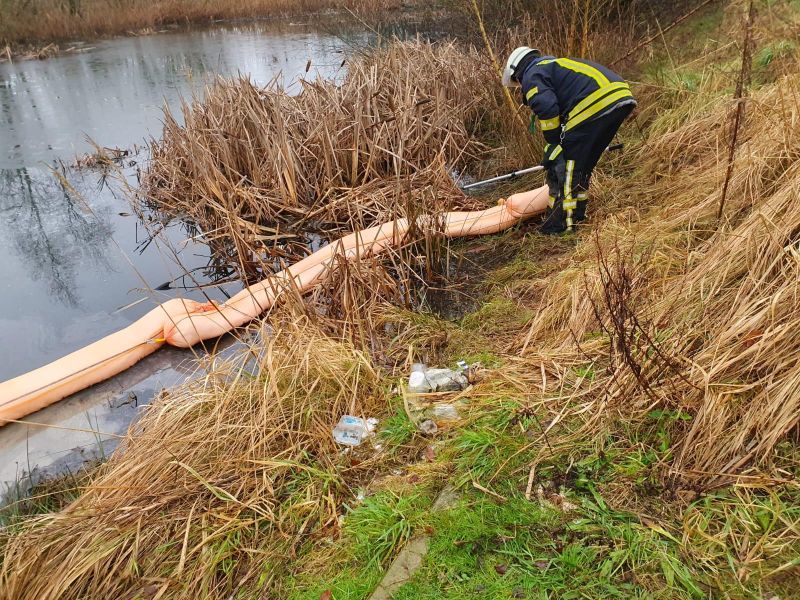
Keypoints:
(556, 166)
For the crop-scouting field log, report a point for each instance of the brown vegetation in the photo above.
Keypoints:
(663, 307)
(271, 470)
(699, 313)
(724, 294)
(258, 168)
(31, 22)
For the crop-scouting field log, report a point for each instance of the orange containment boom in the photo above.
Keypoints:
(184, 323)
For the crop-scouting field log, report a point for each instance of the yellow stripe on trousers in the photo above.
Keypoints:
(569, 201)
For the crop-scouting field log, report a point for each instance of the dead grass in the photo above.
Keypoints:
(696, 314)
(217, 485)
(258, 169)
(33, 22)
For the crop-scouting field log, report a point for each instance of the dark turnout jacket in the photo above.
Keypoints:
(569, 92)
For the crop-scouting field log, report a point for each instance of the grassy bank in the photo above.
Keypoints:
(36, 23)
(633, 433)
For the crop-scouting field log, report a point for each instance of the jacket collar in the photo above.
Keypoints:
(527, 62)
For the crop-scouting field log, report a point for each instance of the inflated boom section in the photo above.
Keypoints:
(184, 323)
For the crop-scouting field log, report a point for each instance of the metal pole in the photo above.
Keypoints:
(504, 177)
(521, 172)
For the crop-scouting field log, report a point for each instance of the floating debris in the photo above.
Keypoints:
(102, 158)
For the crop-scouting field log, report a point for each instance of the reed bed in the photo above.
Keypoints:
(257, 167)
(31, 22)
(217, 485)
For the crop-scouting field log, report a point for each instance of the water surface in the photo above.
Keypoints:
(76, 264)
(71, 251)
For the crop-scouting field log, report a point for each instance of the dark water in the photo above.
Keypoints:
(72, 255)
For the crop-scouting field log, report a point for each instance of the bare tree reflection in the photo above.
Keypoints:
(50, 231)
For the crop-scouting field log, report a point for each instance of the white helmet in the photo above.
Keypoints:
(513, 62)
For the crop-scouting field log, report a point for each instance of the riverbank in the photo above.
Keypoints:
(632, 430)
(43, 28)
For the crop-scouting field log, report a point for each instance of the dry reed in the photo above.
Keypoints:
(256, 167)
(697, 316)
(26, 22)
(218, 483)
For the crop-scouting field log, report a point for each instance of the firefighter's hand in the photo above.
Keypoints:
(556, 166)
(552, 153)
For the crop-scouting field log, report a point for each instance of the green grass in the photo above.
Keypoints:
(397, 429)
(519, 269)
(383, 524)
(47, 496)
(373, 533)
(775, 51)
(498, 314)
(522, 549)
(600, 523)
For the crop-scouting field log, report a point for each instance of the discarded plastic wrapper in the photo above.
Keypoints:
(417, 378)
(351, 431)
(444, 412)
(436, 380)
(428, 427)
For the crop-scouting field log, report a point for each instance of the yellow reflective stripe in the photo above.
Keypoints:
(583, 69)
(568, 182)
(531, 93)
(547, 61)
(551, 202)
(595, 96)
(570, 205)
(550, 124)
(552, 151)
(597, 107)
(569, 220)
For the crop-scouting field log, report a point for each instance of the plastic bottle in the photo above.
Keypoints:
(351, 431)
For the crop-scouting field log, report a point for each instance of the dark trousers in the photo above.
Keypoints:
(583, 147)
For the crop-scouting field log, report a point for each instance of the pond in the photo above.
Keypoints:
(76, 263)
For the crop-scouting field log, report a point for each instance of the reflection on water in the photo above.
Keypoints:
(71, 262)
(113, 93)
(48, 232)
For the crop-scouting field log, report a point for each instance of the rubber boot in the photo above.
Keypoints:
(580, 211)
(555, 220)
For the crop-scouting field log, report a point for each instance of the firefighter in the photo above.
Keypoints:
(580, 106)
